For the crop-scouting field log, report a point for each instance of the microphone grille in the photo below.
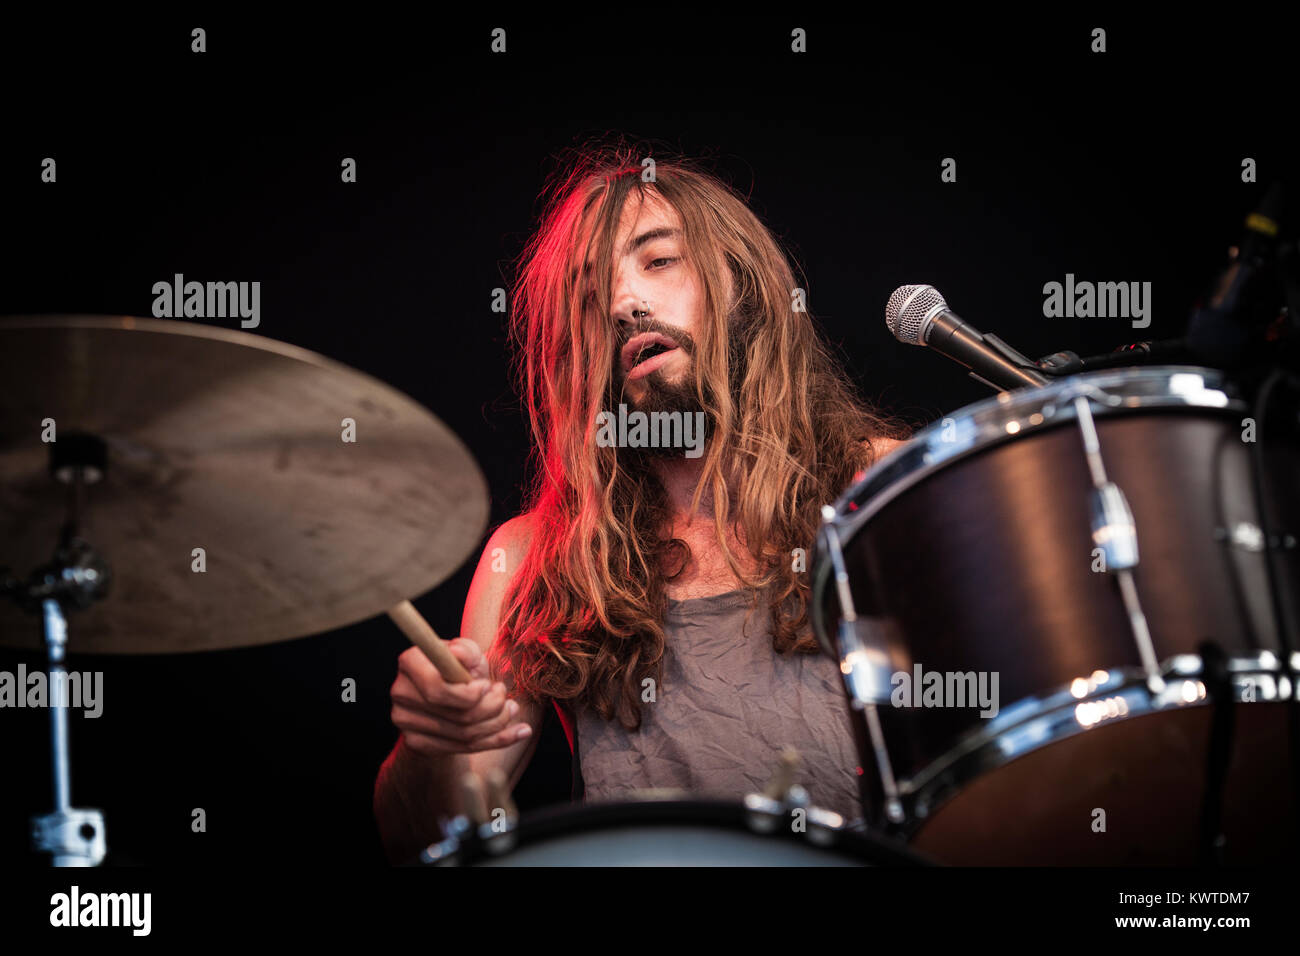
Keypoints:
(907, 309)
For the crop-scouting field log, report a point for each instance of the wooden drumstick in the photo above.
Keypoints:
(419, 633)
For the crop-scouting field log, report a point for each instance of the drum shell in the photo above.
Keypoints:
(987, 563)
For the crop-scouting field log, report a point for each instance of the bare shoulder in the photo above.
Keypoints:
(502, 557)
(880, 447)
(513, 537)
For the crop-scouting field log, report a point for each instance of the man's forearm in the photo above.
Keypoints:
(411, 792)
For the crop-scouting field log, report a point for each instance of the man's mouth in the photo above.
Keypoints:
(646, 352)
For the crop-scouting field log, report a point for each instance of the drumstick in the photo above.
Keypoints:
(418, 631)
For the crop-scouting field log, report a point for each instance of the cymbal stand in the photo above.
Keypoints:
(76, 577)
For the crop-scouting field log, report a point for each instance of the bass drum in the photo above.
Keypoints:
(969, 555)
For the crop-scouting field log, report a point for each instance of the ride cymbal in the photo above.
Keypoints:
(234, 444)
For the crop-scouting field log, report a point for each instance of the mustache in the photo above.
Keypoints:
(683, 338)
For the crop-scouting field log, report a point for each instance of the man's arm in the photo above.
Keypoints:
(418, 782)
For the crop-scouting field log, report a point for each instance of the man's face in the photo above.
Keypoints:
(657, 306)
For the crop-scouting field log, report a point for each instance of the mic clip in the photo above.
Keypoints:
(1011, 355)
(1061, 363)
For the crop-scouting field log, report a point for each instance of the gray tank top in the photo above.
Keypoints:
(727, 705)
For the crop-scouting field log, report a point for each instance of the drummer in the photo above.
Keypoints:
(655, 594)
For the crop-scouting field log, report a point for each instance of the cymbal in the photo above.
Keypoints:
(234, 444)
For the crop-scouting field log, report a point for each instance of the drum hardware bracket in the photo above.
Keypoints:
(853, 661)
(1114, 532)
(1019, 359)
(765, 814)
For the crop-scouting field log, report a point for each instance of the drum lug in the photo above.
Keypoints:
(765, 814)
(1115, 532)
(1113, 529)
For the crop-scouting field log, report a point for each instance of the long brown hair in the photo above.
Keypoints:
(582, 623)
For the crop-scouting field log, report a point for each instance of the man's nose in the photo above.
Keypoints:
(629, 290)
(630, 312)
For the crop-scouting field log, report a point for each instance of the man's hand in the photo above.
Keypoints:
(437, 717)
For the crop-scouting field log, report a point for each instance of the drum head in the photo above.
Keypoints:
(675, 833)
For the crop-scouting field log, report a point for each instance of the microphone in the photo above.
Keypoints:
(918, 315)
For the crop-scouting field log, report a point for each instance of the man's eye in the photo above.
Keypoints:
(667, 259)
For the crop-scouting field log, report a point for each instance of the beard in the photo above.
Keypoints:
(661, 394)
(676, 397)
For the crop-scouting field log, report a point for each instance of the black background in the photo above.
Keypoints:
(1123, 166)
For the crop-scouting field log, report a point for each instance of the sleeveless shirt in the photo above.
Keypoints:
(727, 705)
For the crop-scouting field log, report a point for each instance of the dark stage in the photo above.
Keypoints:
(1123, 166)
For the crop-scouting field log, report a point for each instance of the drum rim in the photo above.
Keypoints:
(560, 820)
(1008, 416)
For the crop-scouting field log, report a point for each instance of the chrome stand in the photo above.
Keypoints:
(76, 577)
